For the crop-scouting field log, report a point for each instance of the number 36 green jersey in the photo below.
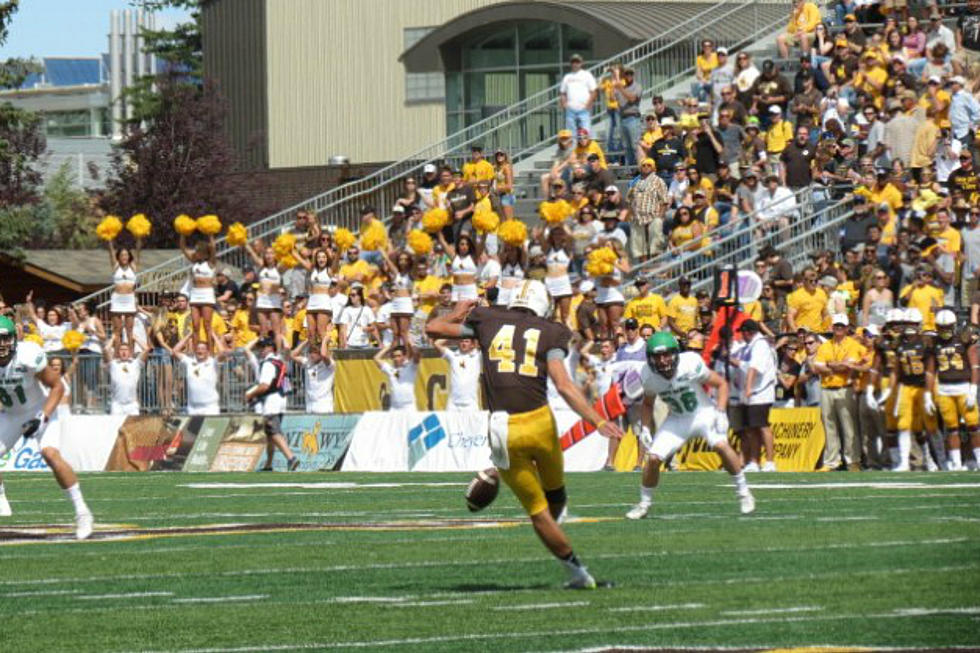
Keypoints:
(683, 393)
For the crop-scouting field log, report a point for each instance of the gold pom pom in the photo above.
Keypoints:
(512, 232)
(283, 245)
(434, 220)
(209, 225)
(185, 225)
(139, 226)
(237, 235)
(109, 228)
(72, 340)
(35, 338)
(374, 237)
(600, 262)
(419, 242)
(344, 239)
(555, 212)
(486, 222)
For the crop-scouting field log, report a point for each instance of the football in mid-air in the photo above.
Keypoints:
(482, 489)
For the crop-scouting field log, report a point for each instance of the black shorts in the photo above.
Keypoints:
(272, 424)
(756, 416)
(736, 417)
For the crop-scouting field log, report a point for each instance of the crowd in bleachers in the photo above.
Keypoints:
(885, 114)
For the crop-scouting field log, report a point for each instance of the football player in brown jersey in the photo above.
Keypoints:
(521, 349)
(914, 407)
(952, 372)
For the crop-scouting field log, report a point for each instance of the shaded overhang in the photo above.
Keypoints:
(613, 26)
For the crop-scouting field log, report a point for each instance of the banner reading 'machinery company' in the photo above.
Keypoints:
(799, 440)
(441, 442)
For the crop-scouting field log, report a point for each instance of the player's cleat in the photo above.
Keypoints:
(581, 580)
(294, 464)
(770, 466)
(5, 510)
(900, 468)
(951, 466)
(639, 511)
(562, 516)
(83, 525)
(746, 503)
(751, 467)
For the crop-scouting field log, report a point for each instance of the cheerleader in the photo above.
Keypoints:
(511, 272)
(558, 260)
(402, 307)
(319, 306)
(122, 302)
(318, 373)
(200, 286)
(65, 373)
(268, 300)
(463, 267)
(609, 298)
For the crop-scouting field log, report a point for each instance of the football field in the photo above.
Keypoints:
(256, 562)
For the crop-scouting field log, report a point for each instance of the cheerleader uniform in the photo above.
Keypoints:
(464, 278)
(202, 284)
(511, 276)
(556, 279)
(268, 297)
(319, 301)
(401, 303)
(607, 289)
(123, 298)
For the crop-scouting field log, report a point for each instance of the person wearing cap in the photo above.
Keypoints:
(779, 134)
(578, 91)
(563, 161)
(964, 112)
(964, 178)
(224, 288)
(924, 296)
(837, 362)
(648, 202)
(646, 307)
(807, 306)
(586, 147)
(803, 22)
(769, 90)
(967, 37)
(627, 92)
(722, 76)
(269, 397)
(806, 102)
(756, 362)
(651, 134)
(612, 76)
(924, 147)
(668, 150)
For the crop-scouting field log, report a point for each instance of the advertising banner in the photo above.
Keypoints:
(242, 445)
(319, 441)
(209, 435)
(360, 387)
(146, 442)
(447, 442)
(86, 441)
(798, 441)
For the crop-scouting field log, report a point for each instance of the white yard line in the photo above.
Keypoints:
(423, 604)
(767, 611)
(657, 608)
(222, 599)
(124, 595)
(324, 485)
(540, 606)
(40, 593)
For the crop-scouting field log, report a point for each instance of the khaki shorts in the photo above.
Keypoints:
(966, 58)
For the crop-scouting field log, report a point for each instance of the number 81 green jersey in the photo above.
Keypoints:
(683, 393)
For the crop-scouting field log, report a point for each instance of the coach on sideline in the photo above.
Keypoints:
(270, 393)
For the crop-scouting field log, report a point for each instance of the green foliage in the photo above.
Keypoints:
(62, 219)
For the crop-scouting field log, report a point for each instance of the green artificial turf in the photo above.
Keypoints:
(395, 562)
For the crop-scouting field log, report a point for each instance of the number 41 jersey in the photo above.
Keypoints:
(514, 346)
(20, 391)
(683, 393)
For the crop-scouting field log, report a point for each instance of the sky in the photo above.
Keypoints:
(76, 28)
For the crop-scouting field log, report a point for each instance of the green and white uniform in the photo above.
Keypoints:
(22, 396)
(691, 411)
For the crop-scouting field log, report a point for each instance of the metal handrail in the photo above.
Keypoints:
(812, 230)
(344, 200)
(735, 225)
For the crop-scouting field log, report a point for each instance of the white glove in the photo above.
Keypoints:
(721, 422)
(930, 405)
(883, 399)
(971, 397)
(646, 438)
(869, 398)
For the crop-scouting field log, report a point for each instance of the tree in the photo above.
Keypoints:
(22, 139)
(179, 163)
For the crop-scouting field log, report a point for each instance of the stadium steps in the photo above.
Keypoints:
(664, 64)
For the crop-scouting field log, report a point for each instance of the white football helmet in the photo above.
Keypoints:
(913, 315)
(894, 315)
(946, 323)
(533, 296)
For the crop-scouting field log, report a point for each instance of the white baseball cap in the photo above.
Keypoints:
(429, 167)
(774, 109)
(839, 318)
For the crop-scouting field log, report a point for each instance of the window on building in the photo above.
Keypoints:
(422, 87)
